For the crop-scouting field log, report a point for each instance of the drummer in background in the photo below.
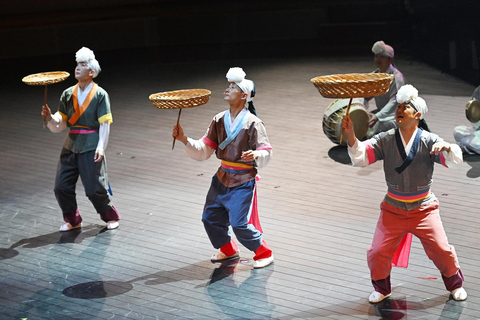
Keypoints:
(383, 118)
(240, 140)
(409, 207)
(468, 138)
(85, 110)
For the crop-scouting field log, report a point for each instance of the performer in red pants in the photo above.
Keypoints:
(409, 154)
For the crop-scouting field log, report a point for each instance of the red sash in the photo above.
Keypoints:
(400, 259)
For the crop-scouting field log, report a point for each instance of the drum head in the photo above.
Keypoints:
(359, 117)
(334, 114)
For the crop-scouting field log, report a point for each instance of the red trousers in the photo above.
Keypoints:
(425, 224)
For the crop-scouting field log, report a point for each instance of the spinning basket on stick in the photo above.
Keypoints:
(44, 79)
(352, 85)
(180, 99)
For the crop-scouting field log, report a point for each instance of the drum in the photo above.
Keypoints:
(332, 120)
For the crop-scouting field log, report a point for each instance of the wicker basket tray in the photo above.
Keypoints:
(353, 85)
(180, 99)
(45, 78)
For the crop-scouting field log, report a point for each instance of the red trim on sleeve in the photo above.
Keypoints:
(265, 147)
(209, 143)
(370, 152)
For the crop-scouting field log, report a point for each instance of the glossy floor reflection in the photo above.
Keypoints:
(318, 213)
(394, 309)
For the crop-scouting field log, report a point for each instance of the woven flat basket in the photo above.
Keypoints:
(180, 99)
(353, 85)
(45, 78)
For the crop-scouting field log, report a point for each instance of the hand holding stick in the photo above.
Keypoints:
(45, 103)
(44, 79)
(180, 99)
(178, 121)
(346, 115)
(348, 126)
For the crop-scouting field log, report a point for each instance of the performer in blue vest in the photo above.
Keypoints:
(85, 110)
(240, 140)
(409, 207)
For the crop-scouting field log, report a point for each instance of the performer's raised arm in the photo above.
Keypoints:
(196, 149)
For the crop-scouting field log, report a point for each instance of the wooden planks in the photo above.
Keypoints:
(318, 213)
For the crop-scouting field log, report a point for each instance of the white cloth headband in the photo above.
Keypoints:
(408, 94)
(237, 76)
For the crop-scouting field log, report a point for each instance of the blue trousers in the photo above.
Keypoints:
(226, 207)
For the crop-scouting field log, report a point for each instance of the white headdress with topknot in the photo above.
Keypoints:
(408, 94)
(380, 47)
(237, 76)
(86, 55)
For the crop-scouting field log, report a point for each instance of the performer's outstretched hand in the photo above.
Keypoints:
(439, 147)
(178, 134)
(249, 155)
(46, 113)
(372, 119)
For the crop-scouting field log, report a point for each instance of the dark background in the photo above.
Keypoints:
(442, 33)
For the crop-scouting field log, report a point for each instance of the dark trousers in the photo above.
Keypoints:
(95, 182)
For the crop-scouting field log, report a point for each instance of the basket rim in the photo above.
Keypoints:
(180, 99)
(377, 75)
(175, 95)
(42, 78)
(353, 85)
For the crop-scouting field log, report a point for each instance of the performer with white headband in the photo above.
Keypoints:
(383, 118)
(240, 140)
(408, 155)
(85, 110)
(247, 86)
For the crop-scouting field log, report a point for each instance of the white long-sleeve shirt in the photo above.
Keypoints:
(198, 150)
(359, 157)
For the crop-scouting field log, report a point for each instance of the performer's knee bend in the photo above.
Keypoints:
(376, 257)
(61, 190)
(372, 253)
(239, 229)
(96, 193)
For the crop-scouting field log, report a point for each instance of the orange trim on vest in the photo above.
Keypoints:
(79, 110)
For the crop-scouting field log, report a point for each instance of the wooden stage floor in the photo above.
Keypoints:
(318, 213)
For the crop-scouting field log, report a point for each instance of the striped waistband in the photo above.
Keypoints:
(408, 196)
(81, 130)
(235, 167)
